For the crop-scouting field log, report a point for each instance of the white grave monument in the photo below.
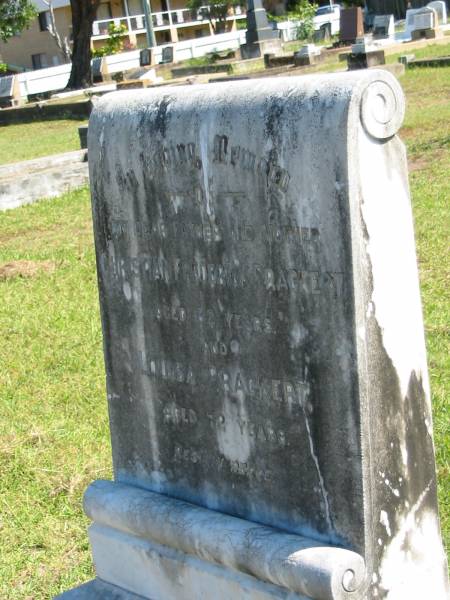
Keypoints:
(441, 8)
(384, 27)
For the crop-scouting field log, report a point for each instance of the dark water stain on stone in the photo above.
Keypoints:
(161, 118)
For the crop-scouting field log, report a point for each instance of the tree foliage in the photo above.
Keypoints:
(114, 43)
(303, 11)
(15, 15)
(214, 10)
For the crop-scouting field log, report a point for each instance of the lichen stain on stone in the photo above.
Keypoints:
(401, 419)
(160, 122)
(417, 541)
(273, 114)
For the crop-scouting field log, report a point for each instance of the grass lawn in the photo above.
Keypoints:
(54, 436)
(32, 140)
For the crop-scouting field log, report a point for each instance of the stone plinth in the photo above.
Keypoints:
(27, 181)
(258, 49)
(365, 55)
(265, 359)
(260, 37)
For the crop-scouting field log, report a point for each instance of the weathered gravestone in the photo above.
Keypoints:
(425, 23)
(266, 373)
(167, 54)
(383, 27)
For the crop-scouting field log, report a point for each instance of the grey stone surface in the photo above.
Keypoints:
(258, 26)
(82, 134)
(261, 315)
(260, 37)
(98, 590)
(286, 561)
(162, 573)
(441, 9)
(383, 26)
(31, 180)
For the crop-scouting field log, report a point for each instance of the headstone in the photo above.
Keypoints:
(9, 91)
(351, 24)
(265, 358)
(425, 23)
(260, 37)
(100, 71)
(441, 8)
(146, 57)
(424, 19)
(167, 54)
(383, 27)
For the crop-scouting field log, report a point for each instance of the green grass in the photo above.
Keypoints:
(429, 51)
(32, 140)
(54, 436)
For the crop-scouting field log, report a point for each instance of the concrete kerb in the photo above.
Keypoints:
(48, 177)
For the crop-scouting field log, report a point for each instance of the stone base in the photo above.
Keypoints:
(159, 548)
(271, 61)
(306, 60)
(420, 34)
(258, 49)
(364, 60)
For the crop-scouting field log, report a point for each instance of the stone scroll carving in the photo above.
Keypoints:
(264, 348)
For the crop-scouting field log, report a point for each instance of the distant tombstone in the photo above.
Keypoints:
(97, 73)
(409, 21)
(441, 8)
(383, 26)
(9, 91)
(146, 57)
(424, 19)
(167, 54)
(419, 21)
(309, 54)
(364, 55)
(265, 359)
(351, 24)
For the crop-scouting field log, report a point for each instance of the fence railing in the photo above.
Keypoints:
(165, 19)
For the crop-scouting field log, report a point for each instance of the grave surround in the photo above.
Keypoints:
(264, 350)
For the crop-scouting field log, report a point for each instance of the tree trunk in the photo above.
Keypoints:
(83, 16)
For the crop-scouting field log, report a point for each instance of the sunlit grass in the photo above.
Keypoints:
(41, 138)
